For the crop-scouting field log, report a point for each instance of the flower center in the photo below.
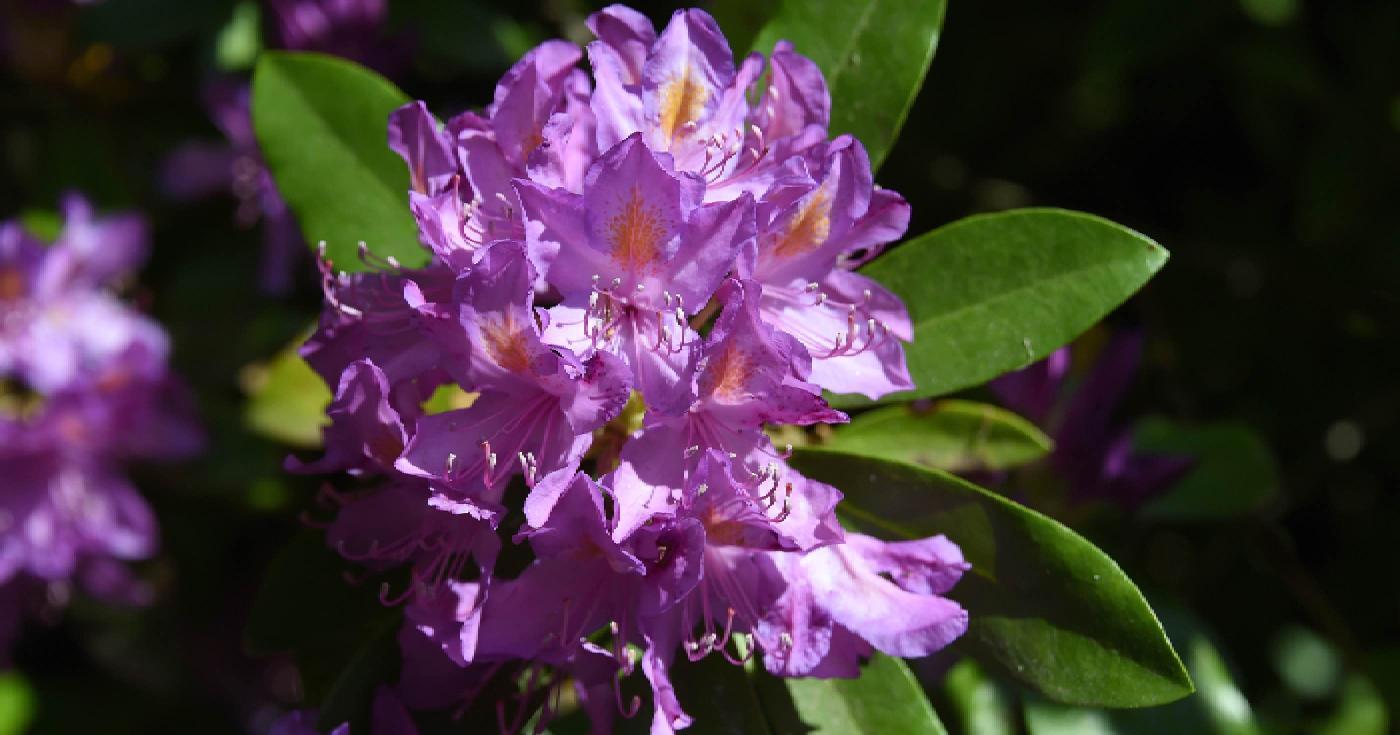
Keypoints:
(11, 284)
(505, 345)
(636, 232)
(808, 229)
(727, 374)
(682, 99)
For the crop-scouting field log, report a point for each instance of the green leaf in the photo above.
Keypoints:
(16, 703)
(322, 123)
(1234, 471)
(1046, 607)
(952, 435)
(995, 292)
(1218, 707)
(874, 54)
(239, 41)
(1048, 718)
(983, 705)
(885, 700)
(286, 399)
(44, 224)
(1306, 662)
(1360, 711)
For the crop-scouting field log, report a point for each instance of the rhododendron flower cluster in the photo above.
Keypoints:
(84, 388)
(631, 277)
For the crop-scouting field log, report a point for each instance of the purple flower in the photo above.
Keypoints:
(84, 388)
(660, 261)
(1094, 455)
(352, 29)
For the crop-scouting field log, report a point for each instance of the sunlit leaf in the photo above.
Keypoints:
(322, 123)
(286, 399)
(952, 435)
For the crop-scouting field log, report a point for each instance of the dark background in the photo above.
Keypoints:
(1259, 141)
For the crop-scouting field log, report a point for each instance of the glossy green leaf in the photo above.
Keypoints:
(322, 123)
(1217, 708)
(995, 292)
(952, 435)
(1234, 471)
(885, 700)
(286, 399)
(874, 54)
(1046, 607)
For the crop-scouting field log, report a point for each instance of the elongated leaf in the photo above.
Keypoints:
(886, 699)
(1217, 708)
(1046, 606)
(322, 123)
(996, 292)
(952, 435)
(874, 54)
(1234, 470)
(286, 399)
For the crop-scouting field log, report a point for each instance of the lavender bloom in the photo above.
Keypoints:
(1093, 454)
(84, 388)
(658, 242)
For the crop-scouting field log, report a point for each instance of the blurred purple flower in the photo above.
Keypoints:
(1092, 453)
(84, 388)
